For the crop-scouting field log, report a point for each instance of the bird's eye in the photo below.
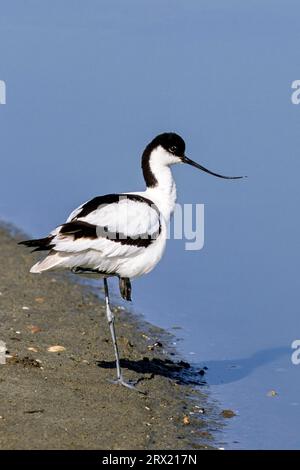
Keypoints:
(173, 149)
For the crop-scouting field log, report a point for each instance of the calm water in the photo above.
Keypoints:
(89, 83)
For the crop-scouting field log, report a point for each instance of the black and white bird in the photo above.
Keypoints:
(121, 235)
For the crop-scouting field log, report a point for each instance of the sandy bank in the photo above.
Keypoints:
(52, 400)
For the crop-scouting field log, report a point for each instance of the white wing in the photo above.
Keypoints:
(115, 225)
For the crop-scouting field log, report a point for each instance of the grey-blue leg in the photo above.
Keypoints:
(110, 319)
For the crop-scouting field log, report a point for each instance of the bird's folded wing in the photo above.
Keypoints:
(122, 225)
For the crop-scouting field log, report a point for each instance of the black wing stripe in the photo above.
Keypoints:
(98, 201)
(81, 230)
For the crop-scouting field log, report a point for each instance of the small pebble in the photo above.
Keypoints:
(228, 413)
(186, 420)
(272, 393)
(33, 329)
(157, 344)
(25, 308)
(200, 410)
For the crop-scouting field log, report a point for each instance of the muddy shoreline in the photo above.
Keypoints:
(62, 399)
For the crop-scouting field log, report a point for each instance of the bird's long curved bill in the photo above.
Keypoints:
(200, 167)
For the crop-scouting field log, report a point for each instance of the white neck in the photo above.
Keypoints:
(163, 193)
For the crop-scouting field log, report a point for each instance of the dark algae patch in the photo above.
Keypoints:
(54, 386)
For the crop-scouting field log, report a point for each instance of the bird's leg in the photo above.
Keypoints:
(125, 288)
(110, 319)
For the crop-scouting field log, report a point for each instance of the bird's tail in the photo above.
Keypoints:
(39, 244)
(53, 260)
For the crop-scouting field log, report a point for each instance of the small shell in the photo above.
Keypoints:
(56, 348)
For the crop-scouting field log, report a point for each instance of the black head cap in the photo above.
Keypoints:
(171, 142)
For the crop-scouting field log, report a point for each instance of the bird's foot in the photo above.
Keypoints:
(131, 384)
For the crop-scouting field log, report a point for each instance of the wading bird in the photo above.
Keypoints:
(121, 235)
